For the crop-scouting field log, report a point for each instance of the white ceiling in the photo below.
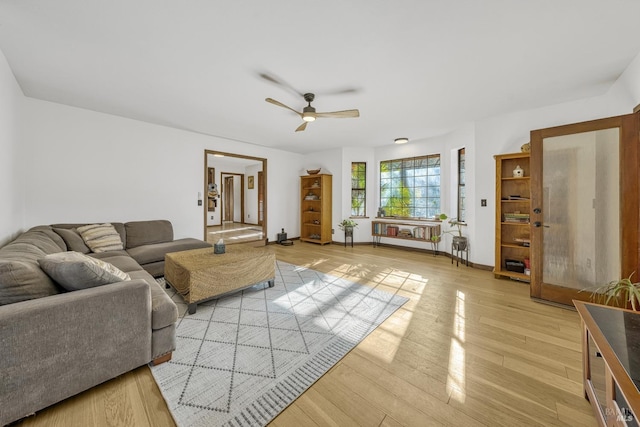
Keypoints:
(420, 67)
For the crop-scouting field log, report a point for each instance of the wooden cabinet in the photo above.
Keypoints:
(513, 212)
(315, 208)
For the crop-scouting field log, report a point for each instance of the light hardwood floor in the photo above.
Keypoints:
(467, 349)
(234, 232)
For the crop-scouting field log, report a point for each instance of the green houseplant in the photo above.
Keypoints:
(618, 293)
(455, 229)
(347, 223)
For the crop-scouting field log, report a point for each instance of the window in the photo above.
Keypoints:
(461, 191)
(358, 189)
(411, 187)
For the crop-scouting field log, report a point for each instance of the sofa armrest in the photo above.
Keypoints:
(55, 347)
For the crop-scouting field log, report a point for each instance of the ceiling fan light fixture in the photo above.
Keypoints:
(308, 113)
(401, 140)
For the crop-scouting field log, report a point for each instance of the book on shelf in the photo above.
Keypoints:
(516, 217)
(404, 232)
(392, 230)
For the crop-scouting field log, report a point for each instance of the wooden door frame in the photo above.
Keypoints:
(261, 197)
(264, 175)
(629, 129)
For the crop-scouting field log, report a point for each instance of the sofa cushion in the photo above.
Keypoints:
(164, 312)
(43, 238)
(120, 259)
(119, 226)
(101, 237)
(73, 240)
(147, 254)
(148, 232)
(21, 280)
(74, 271)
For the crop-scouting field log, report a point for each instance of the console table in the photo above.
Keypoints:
(396, 228)
(611, 362)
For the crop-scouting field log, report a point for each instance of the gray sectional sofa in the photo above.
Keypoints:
(55, 343)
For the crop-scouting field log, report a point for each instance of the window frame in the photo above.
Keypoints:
(361, 190)
(399, 194)
(462, 194)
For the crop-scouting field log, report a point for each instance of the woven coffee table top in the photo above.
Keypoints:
(197, 259)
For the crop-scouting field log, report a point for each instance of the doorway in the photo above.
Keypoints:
(238, 210)
(584, 200)
(233, 197)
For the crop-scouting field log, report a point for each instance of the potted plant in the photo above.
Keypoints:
(618, 293)
(347, 224)
(455, 229)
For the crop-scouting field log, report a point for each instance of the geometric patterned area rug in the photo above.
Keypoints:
(240, 360)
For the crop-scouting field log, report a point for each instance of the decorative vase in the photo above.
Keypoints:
(518, 172)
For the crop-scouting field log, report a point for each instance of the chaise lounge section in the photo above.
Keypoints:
(56, 342)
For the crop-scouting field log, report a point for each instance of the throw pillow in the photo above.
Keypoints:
(101, 237)
(72, 239)
(74, 271)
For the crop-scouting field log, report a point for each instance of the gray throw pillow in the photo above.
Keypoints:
(101, 237)
(74, 271)
(72, 239)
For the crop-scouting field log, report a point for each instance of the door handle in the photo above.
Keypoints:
(537, 210)
(537, 224)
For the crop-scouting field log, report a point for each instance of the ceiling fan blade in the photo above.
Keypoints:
(280, 104)
(343, 91)
(275, 80)
(302, 127)
(345, 114)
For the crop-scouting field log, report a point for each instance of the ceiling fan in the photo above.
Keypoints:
(309, 113)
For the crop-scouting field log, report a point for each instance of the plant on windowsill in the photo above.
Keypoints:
(618, 293)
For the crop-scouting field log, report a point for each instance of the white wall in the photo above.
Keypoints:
(362, 233)
(79, 165)
(88, 166)
(11, 208)
(482, 140)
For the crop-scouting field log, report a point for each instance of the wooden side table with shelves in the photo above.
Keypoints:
(407, 229)
(513, 210)
(611, 362)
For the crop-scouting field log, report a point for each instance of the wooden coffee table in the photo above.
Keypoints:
(200, 275)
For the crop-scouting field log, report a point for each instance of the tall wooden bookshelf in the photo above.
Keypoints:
(513, 213)
(315, 208)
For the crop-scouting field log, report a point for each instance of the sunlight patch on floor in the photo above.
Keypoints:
(393, 330)
(244, 236)
(312, 264)
(456, 368)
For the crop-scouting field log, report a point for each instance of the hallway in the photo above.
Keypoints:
(234, 232)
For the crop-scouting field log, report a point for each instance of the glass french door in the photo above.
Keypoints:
(584, 201)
